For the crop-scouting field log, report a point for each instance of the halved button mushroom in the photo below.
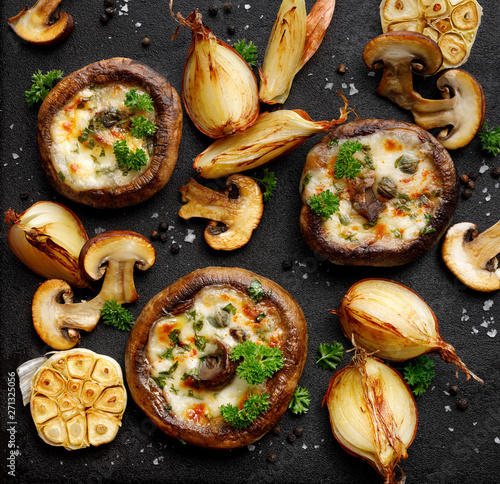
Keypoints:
(473, 257)
(112, 254)
(240, 216)
(34, 24)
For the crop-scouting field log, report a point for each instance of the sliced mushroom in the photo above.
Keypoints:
(363, 199)
(112, 254)
(34, 24)
(460, 112)
(216, 371)
(240, 216)
(473, 258)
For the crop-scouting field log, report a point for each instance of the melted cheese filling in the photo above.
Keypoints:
(404, 217)
(178, 360)
(90, 163)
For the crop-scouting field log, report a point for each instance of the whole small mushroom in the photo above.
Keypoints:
(472, 257)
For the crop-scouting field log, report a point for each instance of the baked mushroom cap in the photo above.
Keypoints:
(473, 257)
(178, 298)
(34, 24)
(166, 139)
(415, 213)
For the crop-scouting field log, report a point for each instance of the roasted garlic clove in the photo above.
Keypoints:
(77, 398)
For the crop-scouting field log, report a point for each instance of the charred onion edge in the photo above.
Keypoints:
(312, 227)
(166, 139)
(280, 387)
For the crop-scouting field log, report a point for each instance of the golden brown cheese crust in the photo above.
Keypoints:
(378, 254)
(166, 139)
(293, 343)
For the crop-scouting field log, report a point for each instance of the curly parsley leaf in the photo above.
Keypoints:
(259, 361)
(247, 51)
(325, 204)
(252, 407)
(41, 85)
(128, 159)
(255, 291)
(269, 183)
(160, 380)
(140, 127)
(419, 373)
(114, 314)
(490, 140)
(330, 355)
(346, 166)
(300, 401)
(138, 102)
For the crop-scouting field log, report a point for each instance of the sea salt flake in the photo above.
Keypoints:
(447, 408)
(155, 215)
(247, 6)
(15, 156)
(497, 440)
(344, 85)
(251, 448)
(329, 85)
(304, 446)
(124, 8)
(99, 230)
(246, 27)
(190, 236)
(474, 423)
(487, 304)
(487, 197)
(371, 74)
(474, 330)
(485, 324)
(492, 333)
(155, 462)
(316, 446)
(11, 126)
(138, 24)
(464, 310)
(476, 450)
(484, 168)
(141, 451)
(305, 276)
(451, 429)
(353, 90)
(465, 317)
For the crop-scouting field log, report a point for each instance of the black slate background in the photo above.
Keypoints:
(141, 453)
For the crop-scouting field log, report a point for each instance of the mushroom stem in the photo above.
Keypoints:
(485, 246)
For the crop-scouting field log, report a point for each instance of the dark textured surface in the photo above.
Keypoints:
(450, 446)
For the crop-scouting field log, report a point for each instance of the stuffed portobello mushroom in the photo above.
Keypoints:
(376, 193)
(109, 133)
(214, 359)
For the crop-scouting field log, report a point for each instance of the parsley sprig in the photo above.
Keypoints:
(127, 158)
(114, 314)
(490, 140)
(346, 166)
(269, 183)
(42, 84)
(324, 204)
(252, 407)
(330, 355)
(300, 401)
(247, 51)
(138, 102)
(419, 373)
(259, 361)
(140, 127)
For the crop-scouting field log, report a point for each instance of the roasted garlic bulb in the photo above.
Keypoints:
(452, 24)
(77, 398)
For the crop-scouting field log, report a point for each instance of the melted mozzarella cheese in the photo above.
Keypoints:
(403, 218)
(202, 406)
(81, 165)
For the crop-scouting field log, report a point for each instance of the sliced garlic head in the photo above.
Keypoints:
(78, 399)
(372, 413)
(452, 24)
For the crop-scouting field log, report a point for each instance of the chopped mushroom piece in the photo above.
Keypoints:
(232, 220)
(34, 24)
(114, 254)
(460, 112)
(473, 258)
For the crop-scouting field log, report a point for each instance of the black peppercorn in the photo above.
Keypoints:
(104, 18)
(272, 458)
(466, 194)
(298, 431)
(462, 404)
(453, 390)
(464, 179)
(496, 171)
(231, 30)
(276, 430)
(163, 236)
(286, 265)
(471, 184)
(155, 235)
(24, 195)
(146, 41)
(174, 248)
(213, 9)
(291, 438)
(341, 68)
(228, 6)
(110, 11)
(163, 226)
(474, 175)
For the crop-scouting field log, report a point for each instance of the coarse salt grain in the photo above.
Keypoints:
(371, 74)
(305, 276)
(492, 333)
(344, 85)
(487, 197)
(329, 85)
(155, 215)
(353, 90)
(190, 236)
(447, 408)
(484, 168)
(251, 448)
(155, 462)
(304, 446)
(474, 330)
(487, 304)
(11, 126)
(247, 6)
(497, 440)
(451, 429)
(15, 156)
(99, 230)
(485, 190)
(138, 24)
